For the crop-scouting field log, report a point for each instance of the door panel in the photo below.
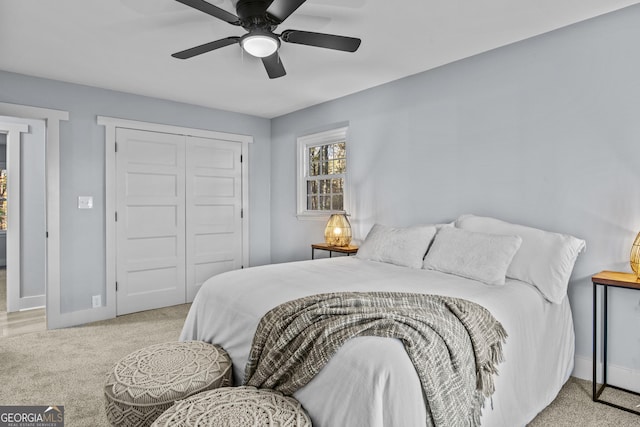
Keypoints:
(150, 226)
(213, 206)
(214, 186)
(151, 280)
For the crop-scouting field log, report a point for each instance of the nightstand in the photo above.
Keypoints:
(349, 250)
(617, 280)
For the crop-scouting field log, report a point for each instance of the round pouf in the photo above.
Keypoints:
(147, 382)
(236, 407)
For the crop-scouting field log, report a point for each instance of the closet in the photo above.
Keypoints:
(178, 215)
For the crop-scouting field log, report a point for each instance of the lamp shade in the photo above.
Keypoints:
(635, 256)
(260, 44)
(338, 230)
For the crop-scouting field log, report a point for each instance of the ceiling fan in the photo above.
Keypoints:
(260, 18)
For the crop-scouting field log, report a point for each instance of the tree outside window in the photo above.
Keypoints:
(325, 182)
(3, 200)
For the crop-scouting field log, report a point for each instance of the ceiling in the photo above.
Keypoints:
(126, 45)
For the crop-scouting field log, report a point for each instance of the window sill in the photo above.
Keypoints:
(313, 216)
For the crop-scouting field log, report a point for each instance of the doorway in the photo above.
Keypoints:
(25, 212)
(22, 225)
(52, 119)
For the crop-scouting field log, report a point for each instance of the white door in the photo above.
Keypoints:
(214, 209)
(179, 216)
(150, 223)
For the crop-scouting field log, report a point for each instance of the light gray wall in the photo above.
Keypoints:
(82, 169)
(544, 132)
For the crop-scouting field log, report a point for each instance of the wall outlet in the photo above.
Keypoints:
(96, 301)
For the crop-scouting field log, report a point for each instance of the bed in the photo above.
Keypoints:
(370, 381)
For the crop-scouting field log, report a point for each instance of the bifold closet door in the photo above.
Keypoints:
(214, 209)
(150, 222)
(179, 216)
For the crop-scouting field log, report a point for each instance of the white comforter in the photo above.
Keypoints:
(371, 381)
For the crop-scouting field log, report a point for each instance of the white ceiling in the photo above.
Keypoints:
(126, 45)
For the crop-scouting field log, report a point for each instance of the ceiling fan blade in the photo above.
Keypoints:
(274, 66)
(204, 48)
(282, 9)
(329, 41)
(212, 10)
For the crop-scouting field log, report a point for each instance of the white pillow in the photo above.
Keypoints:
(478, 256)
(544, 260)
(401, 246)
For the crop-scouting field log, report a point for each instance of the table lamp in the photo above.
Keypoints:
(338, 230)
(635, 256)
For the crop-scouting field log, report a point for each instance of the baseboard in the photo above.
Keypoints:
(30, 303)
(616, 375)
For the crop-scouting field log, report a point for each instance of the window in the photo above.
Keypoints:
(322, 173)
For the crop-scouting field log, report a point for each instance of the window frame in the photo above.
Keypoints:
(303, 144)
(3, 167)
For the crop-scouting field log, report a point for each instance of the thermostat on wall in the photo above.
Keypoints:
(85, 202)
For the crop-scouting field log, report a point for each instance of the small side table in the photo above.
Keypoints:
(616, 280)
(349, 250)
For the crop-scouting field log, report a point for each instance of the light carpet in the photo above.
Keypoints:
(69, 366)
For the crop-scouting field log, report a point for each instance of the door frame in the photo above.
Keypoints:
(110, 124)
(52, 118)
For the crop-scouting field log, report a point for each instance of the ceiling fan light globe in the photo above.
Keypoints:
(260, 45)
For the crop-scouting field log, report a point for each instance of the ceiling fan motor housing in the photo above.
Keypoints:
(252, 14)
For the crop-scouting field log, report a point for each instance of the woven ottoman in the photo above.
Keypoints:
(144, 384)
(236, 406)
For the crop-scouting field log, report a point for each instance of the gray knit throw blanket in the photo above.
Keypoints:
(454, 344)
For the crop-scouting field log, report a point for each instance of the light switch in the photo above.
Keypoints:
(85, 202)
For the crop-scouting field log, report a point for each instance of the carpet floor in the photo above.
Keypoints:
(68, 367)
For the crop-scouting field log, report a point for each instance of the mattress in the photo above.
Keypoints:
(370, 381)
